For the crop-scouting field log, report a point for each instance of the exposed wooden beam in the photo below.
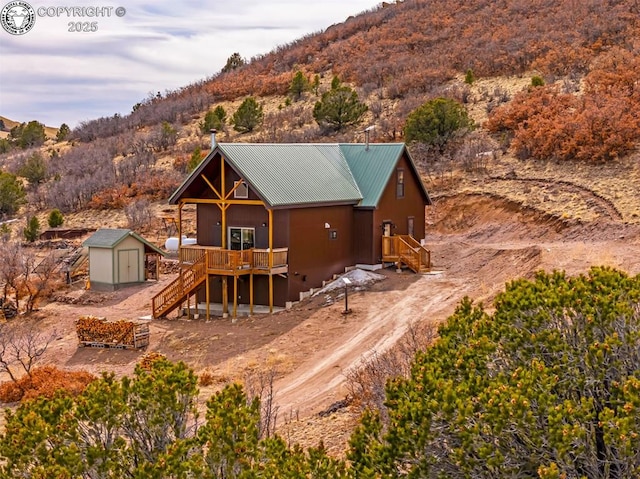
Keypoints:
(213, 188)
(235, 187)
(223, 201)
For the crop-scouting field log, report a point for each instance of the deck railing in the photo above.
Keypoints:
(261, 258)
(191, 254)
(185, 283)
(407, 249)
(219, 259)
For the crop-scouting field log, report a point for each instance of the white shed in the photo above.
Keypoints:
(119, 258)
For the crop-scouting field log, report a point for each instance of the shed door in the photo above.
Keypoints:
(128, 266)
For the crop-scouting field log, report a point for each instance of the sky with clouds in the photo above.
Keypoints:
(55, 74)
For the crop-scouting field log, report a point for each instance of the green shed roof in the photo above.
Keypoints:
(110, 238)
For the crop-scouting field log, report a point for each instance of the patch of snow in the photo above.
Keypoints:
(358, 277)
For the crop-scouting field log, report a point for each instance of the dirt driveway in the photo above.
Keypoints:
(312, 345)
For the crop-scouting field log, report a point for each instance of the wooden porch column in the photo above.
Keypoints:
(270, 260)
(180, 205)
(235, 296)
(208, 295)
(270, 293)
(223, 206)
(251, 294)
(225, 296)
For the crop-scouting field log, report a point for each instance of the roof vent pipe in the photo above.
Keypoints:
(213, 138)
(367, 131)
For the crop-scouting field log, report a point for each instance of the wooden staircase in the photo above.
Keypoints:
(179, 289)
(411, 253)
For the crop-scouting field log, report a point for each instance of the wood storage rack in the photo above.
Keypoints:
(99, 333)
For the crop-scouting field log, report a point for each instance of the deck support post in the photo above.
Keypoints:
(225, 296)
(235, 297)
(251, 294)
(270, 260)
(270, 293)
(208, 295)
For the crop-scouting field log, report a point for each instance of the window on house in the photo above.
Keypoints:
(399, 183)
(242, 190)
(241, 238)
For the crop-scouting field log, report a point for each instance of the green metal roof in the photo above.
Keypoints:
(372, 167)
(111, 237)
(294, 173)
(309, 173)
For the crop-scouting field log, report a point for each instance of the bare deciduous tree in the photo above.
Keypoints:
(259, 383)
(366, 382)
(36, 276)
(22, 345)
(138, 214)
(10, 268)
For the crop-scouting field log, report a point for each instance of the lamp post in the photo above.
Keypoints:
(347, 282)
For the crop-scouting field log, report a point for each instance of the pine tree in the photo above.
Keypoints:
(32, 230)
(338, 108)
(299, 85)
(544, 386)
(248, 116)
(55, 218)
(436, 122)
(63, 132)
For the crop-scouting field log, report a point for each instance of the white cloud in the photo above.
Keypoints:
(56, 76)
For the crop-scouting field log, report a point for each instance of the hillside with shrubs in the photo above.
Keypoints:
(577, 102)
(522, 119)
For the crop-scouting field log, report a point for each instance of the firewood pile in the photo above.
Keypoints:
(93, 331)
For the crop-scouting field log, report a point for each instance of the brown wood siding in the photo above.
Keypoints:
(230, 178)
(207, 218)
(250, 216)
(399, 209)
(313, 256)
(363, 248)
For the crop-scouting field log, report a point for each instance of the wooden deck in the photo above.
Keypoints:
(199, 262)
(230, 262)
(405, 249)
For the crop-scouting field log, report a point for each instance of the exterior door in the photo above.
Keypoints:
(410, 220)
(241, 238)
(386, 228)
(128, 266)
(386, 240)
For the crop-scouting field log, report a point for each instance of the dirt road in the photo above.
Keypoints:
(478, 243)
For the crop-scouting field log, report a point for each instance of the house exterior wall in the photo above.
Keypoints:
(398, 210)
(314, 256)
(363, 237)
(248, 216)
(315, 253)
